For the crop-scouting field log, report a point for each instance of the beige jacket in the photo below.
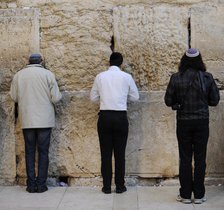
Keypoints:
(35, 90)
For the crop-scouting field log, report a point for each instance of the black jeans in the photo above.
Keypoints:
(192, 138)
(39, 137)
(113, 134)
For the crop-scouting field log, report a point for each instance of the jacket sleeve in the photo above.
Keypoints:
(133, 94)
(170, 93)
(54, 90)
(213, 94)
(14, 90)
(94, 93)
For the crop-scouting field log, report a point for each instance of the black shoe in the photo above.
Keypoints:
(31, 189)
(41, 189)
(106, 190)
(121, 189)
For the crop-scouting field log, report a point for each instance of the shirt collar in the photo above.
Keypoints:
(114, 68)
(34, 65)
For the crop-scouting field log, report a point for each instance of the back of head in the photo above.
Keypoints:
(35, 59)
(192, 53)
(192, 59)
(116, 59)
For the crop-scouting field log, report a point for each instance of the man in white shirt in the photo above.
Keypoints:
(113, 88)
(35, 90)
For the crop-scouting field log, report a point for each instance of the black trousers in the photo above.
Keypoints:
(192, 138)
(113, 133)
(40, 138)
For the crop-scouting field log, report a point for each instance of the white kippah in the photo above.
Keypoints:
(192, 52)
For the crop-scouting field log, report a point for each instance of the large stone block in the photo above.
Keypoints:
(7, 140)
(153, 40)
(76, 44)
(152, 146)
(146, 2)
(215, 157)
(207, 26)
(20, 151)
(19, 32)
(108, 4)
(74, 148)
(217, 70)
(152, 149)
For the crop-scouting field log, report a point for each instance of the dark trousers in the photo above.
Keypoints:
(192, 138)
(113, 133)
(40, 138)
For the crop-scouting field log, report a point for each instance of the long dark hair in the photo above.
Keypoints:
(195, 63)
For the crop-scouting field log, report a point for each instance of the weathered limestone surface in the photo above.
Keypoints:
(151, 150)
(152, 146)
(207, 27)
(215, 157)
(96, 4)
(76, 44)
(217, 69)
(19, 32)
(153, 40)
(75, 147)
(7, 140)
(75, 38)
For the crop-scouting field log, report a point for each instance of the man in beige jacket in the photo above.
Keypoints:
(35, 90)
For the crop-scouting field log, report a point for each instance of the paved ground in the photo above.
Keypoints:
(86, 198)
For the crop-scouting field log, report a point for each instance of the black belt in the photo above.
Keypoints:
(113, 111)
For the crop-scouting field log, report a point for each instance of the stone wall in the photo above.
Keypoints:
(19, 32)
(76, 39)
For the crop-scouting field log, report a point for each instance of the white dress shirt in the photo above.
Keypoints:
(113, 88)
